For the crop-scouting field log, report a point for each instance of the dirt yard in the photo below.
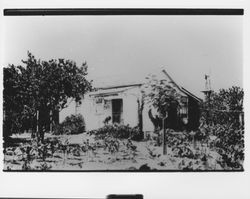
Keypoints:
(143, 156)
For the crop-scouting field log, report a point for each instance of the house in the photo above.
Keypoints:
(121, 103)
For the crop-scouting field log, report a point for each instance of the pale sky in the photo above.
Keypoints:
(130, 47)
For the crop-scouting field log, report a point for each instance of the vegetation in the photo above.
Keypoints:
(162, 95)
(117, 131)
(229, 143)
(73, 124)
(224, 107)
(223, 118)
(35, 92)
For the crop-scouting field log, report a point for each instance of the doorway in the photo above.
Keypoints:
(117, 110)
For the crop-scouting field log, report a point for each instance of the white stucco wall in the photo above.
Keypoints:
(130, 107)
(94, 114)
(88, 111)
(69, 110)
(147, 124)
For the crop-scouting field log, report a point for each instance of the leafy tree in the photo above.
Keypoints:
(162, 95)
(233, 98)
(11, 95)
(224, 106)
(41, 87)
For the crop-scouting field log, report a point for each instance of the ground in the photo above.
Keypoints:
(143, 155)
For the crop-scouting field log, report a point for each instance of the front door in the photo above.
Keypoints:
(117, 111)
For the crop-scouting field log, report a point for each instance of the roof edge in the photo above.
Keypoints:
(120, 86)
(190, 94)
(181, 88)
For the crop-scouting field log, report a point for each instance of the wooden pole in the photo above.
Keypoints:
(164, 137)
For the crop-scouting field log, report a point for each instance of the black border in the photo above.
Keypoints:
(119, 12)
(122, 11)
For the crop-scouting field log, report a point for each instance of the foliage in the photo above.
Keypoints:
(117, 131)
(44, 167)
(224, 106)
(131, 148)
(38, 87)
(230, 145)
(111, 144)
(226, 140)
(13, 102)
(39, 156)
(161, 94)
(222, 147)
(73, 124)
(180, 144)
(221, 112)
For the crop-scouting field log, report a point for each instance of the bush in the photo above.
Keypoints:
(118, 131)
(73, 124)
(230, 145)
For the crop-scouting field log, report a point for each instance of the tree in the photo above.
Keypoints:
(233, 98)
(224, 106)
(41, 87)
(157, 122)
(162, 95)
(11, 97)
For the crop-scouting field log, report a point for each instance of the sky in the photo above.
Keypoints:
(130, 47)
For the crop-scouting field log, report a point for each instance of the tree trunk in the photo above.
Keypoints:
(44, 120)
(164, 136)
(42, 135)
(140, 117)
(153, 120)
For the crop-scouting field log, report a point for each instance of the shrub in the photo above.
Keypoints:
(230, 145)
(73, 124)
(118, 131)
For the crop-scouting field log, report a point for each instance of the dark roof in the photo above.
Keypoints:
(181, 88)
(190, 94)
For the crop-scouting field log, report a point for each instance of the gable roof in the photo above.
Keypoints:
(172, 81)
(181, 88)
(120, 83)
(190, 94)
